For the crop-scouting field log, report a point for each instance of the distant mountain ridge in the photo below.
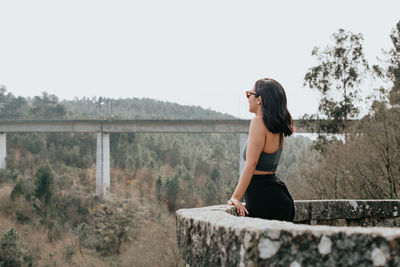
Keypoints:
(136, 108)
(48, 106)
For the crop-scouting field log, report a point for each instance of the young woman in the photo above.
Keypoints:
(266, 196)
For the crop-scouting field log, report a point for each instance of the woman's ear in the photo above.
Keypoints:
(259, 100)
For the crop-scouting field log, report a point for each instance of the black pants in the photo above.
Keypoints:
(267, 197)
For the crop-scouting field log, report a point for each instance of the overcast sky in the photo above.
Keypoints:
(204, 53)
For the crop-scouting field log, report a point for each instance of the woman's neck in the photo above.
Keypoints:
(258, 112)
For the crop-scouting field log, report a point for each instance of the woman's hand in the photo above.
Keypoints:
(241, 210)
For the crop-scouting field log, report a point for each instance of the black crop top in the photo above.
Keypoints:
(267, 162)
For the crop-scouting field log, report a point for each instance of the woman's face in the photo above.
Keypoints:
(253, 101)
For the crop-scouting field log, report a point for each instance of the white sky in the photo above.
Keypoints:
(204, 53)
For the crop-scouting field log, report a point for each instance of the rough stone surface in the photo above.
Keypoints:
(325, 245)
(216, 236)
(295, 264)
(267, 248)
(349, 212)
(378, 257)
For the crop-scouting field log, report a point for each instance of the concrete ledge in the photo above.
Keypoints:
(349, 212)
(215, 236)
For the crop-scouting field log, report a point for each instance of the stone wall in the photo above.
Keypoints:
(216, 236)
(348, 212)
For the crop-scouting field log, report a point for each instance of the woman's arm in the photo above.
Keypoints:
(255, 145)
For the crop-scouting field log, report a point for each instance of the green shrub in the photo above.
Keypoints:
(12, 251)
(83, 233)
(69, 252)
(171, 190)
(115, 222)
(44, 181)
(21, 217)
(18, 190)
(64, 182)
(8, 175)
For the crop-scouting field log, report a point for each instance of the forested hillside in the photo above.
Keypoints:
(135, 108)
(47, 192)
(50, 177)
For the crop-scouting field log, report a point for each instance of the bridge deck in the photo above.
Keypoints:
(118, 126)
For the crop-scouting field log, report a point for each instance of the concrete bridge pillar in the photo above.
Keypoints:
(3, 150)
(243, 140)
(103, 164)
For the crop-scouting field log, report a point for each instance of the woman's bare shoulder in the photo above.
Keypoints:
(257, 124)
(257, 120)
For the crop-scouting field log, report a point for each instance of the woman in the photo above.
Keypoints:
(266, 196)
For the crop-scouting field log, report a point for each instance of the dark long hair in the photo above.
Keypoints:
(274, 106)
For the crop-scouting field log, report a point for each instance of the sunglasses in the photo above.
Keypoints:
(249, 93)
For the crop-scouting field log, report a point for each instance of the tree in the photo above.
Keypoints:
(337, 77)
(44, 182)
(158, 187)
(10, 106)
(211, 193)
(394, 67)
(383, 121)
(171, 191)
(383, 140)
(215, 175)
(13, 252)
(47, 107)
(368, 164)
(392, 70)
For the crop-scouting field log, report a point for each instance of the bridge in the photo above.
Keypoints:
(103, 128)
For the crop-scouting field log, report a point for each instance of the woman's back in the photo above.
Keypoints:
(272, 142)
(271, 139)
(271, 151)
